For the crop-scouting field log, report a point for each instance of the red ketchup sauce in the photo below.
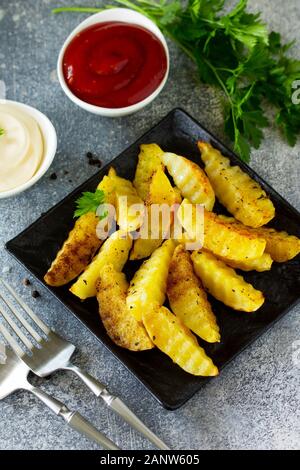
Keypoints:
(114, 64)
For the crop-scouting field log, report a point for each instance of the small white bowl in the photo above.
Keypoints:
(50, 145)
(126, 16)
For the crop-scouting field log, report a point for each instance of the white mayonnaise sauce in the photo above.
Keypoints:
(21, 147)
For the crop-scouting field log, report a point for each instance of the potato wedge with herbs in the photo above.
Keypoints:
(81, 244)
(178, 199)
(76, 253)
(129, 206)
(279, 244)
(144, 247)
(241, 195)
(148, 285)
(148, 163)
(173, 338)
(107, 185)
(225, 240)
(115, 251)
(188, 299)
(190, 179)
(223, 283)
(153, 230)
(120, 324)
(261, 264)
(161, 190)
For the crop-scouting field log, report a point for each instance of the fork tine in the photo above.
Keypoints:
(28, 310)
(11, 341)
(14, 326)
(22, 320)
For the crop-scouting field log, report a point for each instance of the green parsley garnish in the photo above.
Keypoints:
(2, 131)
(234, 52)
(90, 202)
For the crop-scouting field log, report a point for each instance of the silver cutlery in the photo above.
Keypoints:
(53, 353)
(14, 376)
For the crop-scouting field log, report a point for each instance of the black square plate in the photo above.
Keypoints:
(37, 246)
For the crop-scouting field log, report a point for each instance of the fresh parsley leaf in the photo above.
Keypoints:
(2, 131)
(89, 202)
(205, 8)
(244, 27)
(242, 146)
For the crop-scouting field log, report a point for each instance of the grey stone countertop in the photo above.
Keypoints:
(254, 404)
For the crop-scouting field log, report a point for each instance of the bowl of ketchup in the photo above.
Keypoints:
(114, 63)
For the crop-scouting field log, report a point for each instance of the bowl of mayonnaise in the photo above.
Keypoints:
(28, 145)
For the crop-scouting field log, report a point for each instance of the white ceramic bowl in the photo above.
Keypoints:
(50, 145)
(126, 16)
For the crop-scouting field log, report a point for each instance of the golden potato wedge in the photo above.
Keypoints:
(241, 195)
(152, 232)
(148, 285)
(81, 244)
(280, 245)
(264, 263)
(178, 199)
(148, 163)
(221, 238)
(129, 206)
(144, 247)
(225, 284)
(190, 179)
(76, 252)
(161, 190)
(188, 299)
(173, 338)
(114, 251)
(112, 173)
(120, 324)
(107, 185)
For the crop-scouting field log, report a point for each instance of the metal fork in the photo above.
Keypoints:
(54, 353)
(13, 377)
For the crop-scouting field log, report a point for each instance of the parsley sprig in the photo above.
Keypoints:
(2, 131)
(234, 52)
(90, 202)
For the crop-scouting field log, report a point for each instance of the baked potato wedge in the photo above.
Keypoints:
(81, 244)
(148, 285)
(178, 199)
(76, 252)
(280, 245)
(161, 190)
(223, 283)
(173, 338)
(120, 324)
(241, 195)
(115, 251)
(188, 299)
(144, 247)
(263, 263)
(221, 238)
(107, 185)
(236, 243)
(148, 163)
(129, 206)
(190, 179)
(152, 232)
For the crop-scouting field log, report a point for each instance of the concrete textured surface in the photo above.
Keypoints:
(254, 404)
